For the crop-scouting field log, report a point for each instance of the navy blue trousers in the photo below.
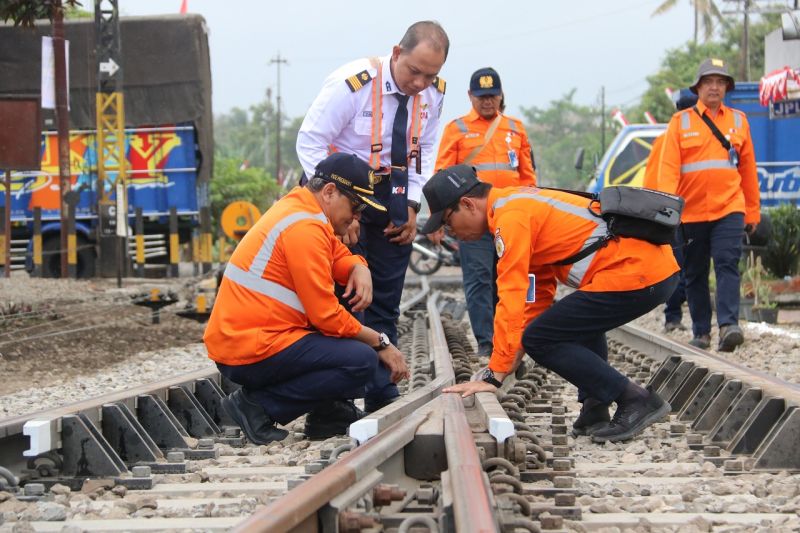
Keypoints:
(569, 338)
(479, 271)
(307, 374)
(388, 263)
(720, 241)
(672, 311)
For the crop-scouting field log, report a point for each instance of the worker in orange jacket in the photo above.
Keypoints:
(497, 146)
(277, 327)
(673, 314)
(617, 279)
(707, 158)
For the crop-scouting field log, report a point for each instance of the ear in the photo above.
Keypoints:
(396, 51)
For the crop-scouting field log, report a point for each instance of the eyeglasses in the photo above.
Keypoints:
(355, 202)
(447, 216)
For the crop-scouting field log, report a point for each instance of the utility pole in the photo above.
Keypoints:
(746, 42)
(603, 119)
(62, 121)
(277, 60)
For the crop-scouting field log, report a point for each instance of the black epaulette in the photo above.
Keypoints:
(358, 81)
(440, 84)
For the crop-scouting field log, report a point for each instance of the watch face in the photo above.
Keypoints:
(488, 374)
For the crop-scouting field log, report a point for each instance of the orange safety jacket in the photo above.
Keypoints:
(492, 163)
(535, 228)
(278, 285)
(695, 165)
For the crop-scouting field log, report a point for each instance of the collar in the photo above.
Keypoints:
(473, 116)
(703, 108)
(389, 87)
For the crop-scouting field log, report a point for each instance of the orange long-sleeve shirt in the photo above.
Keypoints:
(278, 286)
(650, 180)
(694, 165)
(534, 228)
(493, 163)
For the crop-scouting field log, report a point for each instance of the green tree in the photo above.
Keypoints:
(250, 136)
(232, 183)
(705, 11)
(26, 12)
(556, 133)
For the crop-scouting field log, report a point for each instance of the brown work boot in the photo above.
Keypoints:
(701, 341)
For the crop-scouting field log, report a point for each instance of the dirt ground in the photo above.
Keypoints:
(52, 329)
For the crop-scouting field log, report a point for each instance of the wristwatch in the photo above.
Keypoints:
(488, 377)
(383, 342)
(414, 205)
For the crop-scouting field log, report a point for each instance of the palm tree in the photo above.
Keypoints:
(705, 10)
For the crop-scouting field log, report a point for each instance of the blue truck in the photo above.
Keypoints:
(775, 129)
(168, 134)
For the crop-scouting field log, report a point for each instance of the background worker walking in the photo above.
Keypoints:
(386, 111)
(707, 158)
(497, 146)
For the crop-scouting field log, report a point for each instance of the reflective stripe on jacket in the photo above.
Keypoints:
(492, 163)
(695, 165)
(278, 285)
(535, 228)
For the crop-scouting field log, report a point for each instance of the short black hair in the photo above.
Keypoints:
(316, 184)
(481, 190)
(426, 30)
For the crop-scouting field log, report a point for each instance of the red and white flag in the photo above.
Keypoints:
(619, 116)
(649, 118)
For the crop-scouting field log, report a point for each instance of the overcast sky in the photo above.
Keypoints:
(542, 49)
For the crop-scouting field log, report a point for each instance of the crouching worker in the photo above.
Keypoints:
(533, 230)
(277, 328)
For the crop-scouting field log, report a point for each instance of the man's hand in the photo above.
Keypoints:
(351, 237)
(436, 237)
(359, 284)
(403, 234)
(471, 387)
(395, 362)
(750, 228)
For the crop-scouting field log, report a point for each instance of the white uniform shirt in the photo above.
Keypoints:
(343, 118)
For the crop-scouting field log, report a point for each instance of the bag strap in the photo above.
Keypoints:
(713, 127)
(589, 250)
(486, 138)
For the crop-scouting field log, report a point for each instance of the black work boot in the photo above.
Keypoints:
(594, 415)
(332, 419)
(258, 427)
(370, 406)
(635, 412)
(730, 337)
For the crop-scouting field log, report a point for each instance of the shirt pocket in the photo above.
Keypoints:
(690, 144)
(362, 125)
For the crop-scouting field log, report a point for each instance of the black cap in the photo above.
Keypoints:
(709, 67)
(485, 81)
(445, 189)
(350, 174)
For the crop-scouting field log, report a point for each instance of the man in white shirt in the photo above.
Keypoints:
(398, 142)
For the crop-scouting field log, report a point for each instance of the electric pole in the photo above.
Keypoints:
(277, 60)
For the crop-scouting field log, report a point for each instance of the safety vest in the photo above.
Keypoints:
(279, 284)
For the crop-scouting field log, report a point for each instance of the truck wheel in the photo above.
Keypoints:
(51, 258)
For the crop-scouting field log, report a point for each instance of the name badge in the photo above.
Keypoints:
(512, 159)
(530, 296)
(733, 157)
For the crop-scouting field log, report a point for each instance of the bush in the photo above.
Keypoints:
(783, 248)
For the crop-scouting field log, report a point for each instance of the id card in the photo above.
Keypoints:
(733, 157)
(512, 159)
(530, 296)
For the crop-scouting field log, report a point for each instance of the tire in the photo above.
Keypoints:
(422, 264)
(51, 259)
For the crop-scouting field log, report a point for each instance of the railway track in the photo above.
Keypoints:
(166, 457)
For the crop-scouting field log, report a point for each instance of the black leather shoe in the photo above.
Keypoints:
(258, 427)
(730, 337)
(701, 341)
(632, 417)
(370, 406)
(673, 326)
(330, 420)
(594, 415)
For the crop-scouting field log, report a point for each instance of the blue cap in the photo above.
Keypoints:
(485, 81)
